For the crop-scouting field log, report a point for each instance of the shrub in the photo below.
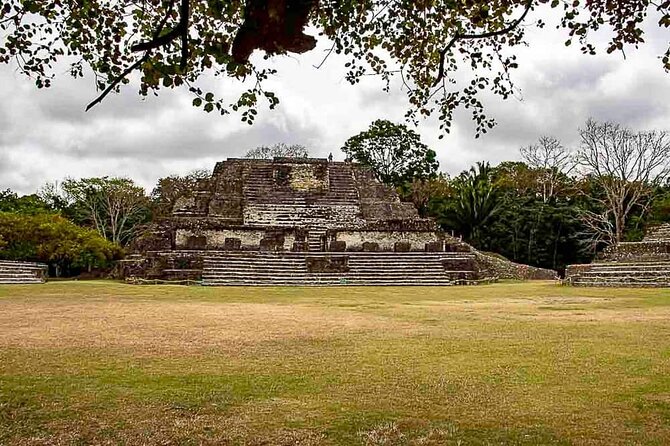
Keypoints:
(52, 239)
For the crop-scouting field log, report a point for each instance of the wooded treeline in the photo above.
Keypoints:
(556, 207)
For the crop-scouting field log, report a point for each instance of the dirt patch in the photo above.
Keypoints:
(165, 426)
(158, 326)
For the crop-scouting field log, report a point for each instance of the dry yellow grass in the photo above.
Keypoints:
(513, 363)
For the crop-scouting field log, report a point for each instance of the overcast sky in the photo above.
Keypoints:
(45, 135)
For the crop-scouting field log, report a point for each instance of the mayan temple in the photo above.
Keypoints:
(305, 222)
(633, 264)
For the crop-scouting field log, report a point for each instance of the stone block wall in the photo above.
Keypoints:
(241, 238)
(309, 178)
(227, 191)
(645, 251)
(168, 266)
(326, 216)
(385, 240)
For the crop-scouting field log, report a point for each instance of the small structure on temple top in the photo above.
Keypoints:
(631, 264)
(292, 221)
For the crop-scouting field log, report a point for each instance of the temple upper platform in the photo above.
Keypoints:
(297, 192)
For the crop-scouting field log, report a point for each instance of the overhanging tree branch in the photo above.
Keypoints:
(117, 80)
(180, 30)
(458, 36)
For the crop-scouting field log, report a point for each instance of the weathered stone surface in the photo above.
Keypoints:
(386, 239)
(370, 246)
(299, 246)
(327, 264)
(491, 266)
(631, 264)
(402, 247)
(338, 246)
(284, 206)
(232, 244)
(271, 244)
(196, 242)
(434, 247)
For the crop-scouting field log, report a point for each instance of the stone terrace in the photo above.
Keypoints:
(22, 272)
(631, 264)
(373, 268)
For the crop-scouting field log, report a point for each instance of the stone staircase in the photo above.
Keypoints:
(260, 187)
(628, 264)
(316, 237)
(658, 233)
(342, 186)
(22, 272)
(373, 268)
(270, 205)
(620, 274)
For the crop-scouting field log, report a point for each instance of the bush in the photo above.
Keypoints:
(67, 248)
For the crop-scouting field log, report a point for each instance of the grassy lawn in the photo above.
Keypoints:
(511, 363)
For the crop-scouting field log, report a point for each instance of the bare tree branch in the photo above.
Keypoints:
(626, 165)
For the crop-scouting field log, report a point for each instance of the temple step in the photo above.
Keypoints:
(22, 272)
(360, 269)
(620, 274)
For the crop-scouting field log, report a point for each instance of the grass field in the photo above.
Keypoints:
(510, 363)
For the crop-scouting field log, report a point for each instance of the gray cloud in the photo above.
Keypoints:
(46, 135)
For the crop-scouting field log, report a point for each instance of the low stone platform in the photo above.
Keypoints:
(620, 274)
(214, 268)
(12, 272)
(628, 264)
(340, 269)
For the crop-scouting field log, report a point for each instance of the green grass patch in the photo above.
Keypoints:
(511, 363)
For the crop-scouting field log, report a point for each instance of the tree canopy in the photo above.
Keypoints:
(173, 43)
(112, 206)
(54, 240)
(171, 189)
(280, 150)
(627, 167)
(394, 152)
(27, 204)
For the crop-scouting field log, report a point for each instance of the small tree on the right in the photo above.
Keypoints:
(627, 167)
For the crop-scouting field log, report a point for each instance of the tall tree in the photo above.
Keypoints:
(424, 193)
(112, 206)
(627, 166)
(279, 150)
(552, 161)
(476, 201)
(394, 152)
(530, 229)
(422, 44)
